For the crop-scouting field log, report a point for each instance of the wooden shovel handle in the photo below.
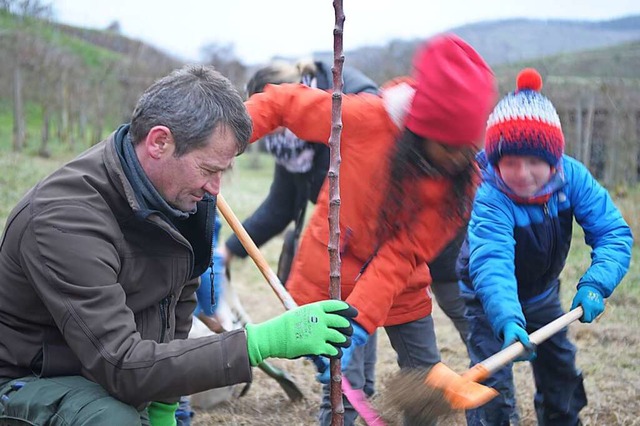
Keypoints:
(357, 399)
(255, 254)
(508, 354)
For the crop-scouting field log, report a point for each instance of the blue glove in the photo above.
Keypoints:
(591, 301)
(358, 338)
(512, 333)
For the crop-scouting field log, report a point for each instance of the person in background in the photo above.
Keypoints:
(300, 166)
(407, 181)
(518, 239)
(445, 286)
(209, 292)
(100, 260)
(300, 171)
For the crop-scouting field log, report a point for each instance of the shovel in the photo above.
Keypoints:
(240, 317)
(282, 377)
(443, 390)
(355, 396)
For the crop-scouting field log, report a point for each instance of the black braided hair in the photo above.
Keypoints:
(408, 164)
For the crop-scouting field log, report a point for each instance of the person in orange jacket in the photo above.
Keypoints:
(407, 179)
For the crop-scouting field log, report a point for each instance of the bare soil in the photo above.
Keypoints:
(608, 354)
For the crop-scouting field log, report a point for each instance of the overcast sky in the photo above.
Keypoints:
(261, 29)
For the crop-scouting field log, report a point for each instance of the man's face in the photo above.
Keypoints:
(183, 181)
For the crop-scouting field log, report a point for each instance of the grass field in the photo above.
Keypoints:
(609, 350)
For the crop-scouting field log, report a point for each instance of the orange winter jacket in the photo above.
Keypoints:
(393, 288)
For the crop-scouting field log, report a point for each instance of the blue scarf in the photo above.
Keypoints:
(146, 194)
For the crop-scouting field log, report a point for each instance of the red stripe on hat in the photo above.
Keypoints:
(524, 135)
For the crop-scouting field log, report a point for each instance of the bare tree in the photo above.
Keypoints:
(47, 74)
(19, 127)
(114, 27)
(27, 8)
(20, 46)
(224, 59)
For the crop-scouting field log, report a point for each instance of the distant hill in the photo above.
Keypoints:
(118, 43)
(591, 72)
(501, 42)
(613, 63)
(72, 83)
(80, 83)
(518, 39)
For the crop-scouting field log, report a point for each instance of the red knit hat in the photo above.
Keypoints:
(455, 93)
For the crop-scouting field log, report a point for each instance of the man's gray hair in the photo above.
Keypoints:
(192, 102)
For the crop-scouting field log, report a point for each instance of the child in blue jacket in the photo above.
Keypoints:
(517, 244)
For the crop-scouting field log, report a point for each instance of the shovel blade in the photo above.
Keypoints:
(460, 392)
(284, 380)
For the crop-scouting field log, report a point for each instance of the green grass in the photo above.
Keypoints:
(623, 301)
(33, 117)
(92, 56)
(21, 172)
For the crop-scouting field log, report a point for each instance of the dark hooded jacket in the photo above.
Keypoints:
(93, 285)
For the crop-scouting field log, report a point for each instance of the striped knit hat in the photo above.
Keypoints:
(525, 123)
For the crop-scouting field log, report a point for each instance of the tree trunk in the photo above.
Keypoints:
(578, 129)
(46, 132)
(82, 126)
(588, 132)
(19, 131)
(613, 146)
(628, 174)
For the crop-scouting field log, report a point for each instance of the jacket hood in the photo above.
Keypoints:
(397, 96)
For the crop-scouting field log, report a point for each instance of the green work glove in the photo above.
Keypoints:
(320, 328)
(161, 414)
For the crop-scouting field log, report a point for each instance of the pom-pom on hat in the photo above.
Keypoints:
(525, 123)
(455, 91)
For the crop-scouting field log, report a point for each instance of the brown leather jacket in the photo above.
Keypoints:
(92, 285)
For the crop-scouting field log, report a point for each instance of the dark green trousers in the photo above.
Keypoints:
(62, 401)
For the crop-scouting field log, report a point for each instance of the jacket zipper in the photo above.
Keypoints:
(166, 302)
(552, 233)
(211, 273)
(165, 323)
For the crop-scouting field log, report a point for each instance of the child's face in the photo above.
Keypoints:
(524, 175)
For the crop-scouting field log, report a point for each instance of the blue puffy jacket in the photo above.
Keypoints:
(514, 253)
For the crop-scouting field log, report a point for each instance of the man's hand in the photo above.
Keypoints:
(321, 328)
(591, 301)
(359, 338)
(512, 333)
